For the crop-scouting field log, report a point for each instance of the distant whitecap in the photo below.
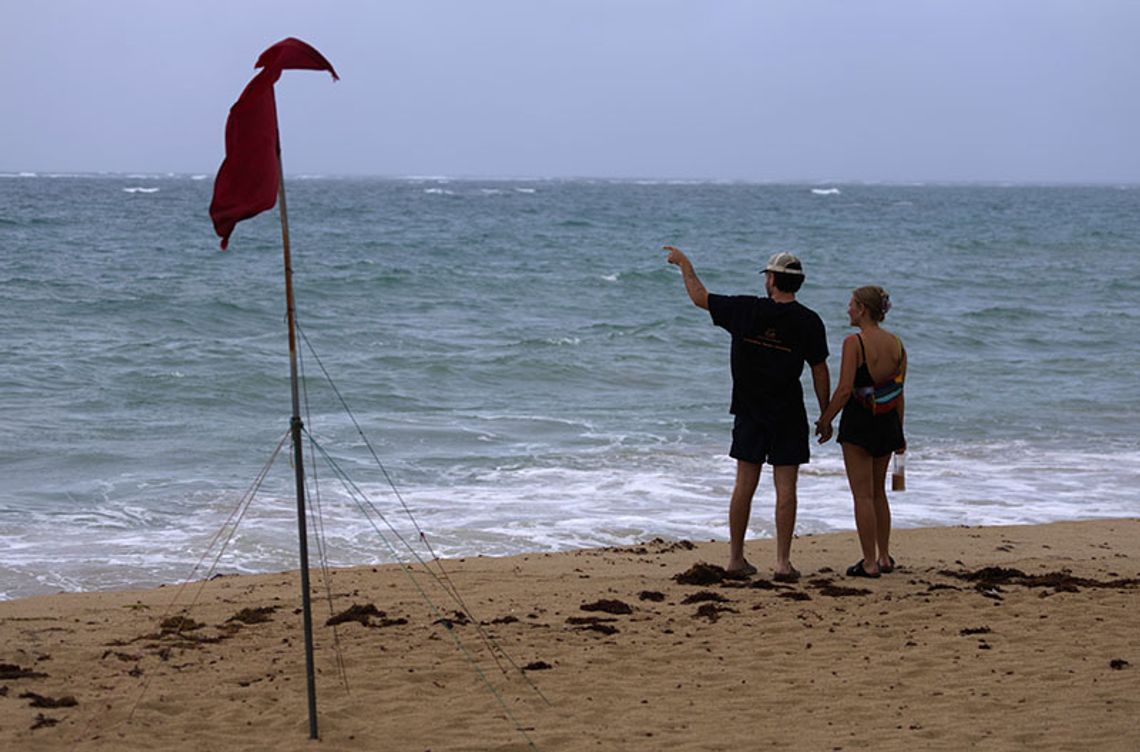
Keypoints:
(198, 177)
(140, 189)
(526, 190)
(610, 277)
(825, 191)
(439, 191)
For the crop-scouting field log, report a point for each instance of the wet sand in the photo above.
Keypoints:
(1022, 637)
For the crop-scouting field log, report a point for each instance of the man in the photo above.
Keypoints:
(772, 338)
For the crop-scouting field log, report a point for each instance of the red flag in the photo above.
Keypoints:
(247, 181)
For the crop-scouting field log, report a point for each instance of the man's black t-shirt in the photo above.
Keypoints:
(770, 343)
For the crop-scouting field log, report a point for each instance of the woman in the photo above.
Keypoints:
(870, 394)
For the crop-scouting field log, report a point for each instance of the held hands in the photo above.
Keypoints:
(823, 431)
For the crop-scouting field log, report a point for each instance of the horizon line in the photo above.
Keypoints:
(912, 182)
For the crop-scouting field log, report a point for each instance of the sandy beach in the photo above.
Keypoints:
(1021, 637)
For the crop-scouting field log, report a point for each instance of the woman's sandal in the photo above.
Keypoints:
(856, 570)
(889, 567)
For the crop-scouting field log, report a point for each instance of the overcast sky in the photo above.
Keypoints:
(896, 90)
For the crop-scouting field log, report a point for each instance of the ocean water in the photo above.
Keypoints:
(525, 364)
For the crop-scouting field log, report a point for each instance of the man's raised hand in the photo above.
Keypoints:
(675, 255)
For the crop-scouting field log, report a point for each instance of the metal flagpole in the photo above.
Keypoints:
(298, 463)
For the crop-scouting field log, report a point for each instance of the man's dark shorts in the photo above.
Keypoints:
(754, 441)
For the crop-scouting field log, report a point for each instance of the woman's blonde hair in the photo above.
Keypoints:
(875, 299)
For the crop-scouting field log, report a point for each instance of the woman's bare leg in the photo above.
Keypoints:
(882, 510)
(860, 477)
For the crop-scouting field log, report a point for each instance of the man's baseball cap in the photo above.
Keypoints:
(784, 263)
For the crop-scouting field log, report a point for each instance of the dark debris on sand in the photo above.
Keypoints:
(831, 590)
(651, 595)
(609, 606)
(399, 621)
(989, 578)
(762, 584)
(537, 666)
(1118, 664)
(457, 619)
(705, 595)
(40, 701)
(365, 614)
(42, 721)
(712, 611)
(796, 595)
(124, 657)
(254, 615)
(975, 630)
(357, 613)
(593, 623)
(12, 671)
(179, 624)
(702, 574)
(660, 545)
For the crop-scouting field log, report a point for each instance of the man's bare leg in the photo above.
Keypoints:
(739, 510)
(785, 477)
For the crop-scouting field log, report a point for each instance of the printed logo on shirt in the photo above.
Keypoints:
(770, 339)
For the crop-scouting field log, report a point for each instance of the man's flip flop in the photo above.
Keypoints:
(742, 573)
(791, 576)
(856, 570)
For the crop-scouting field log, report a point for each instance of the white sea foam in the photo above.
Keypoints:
(611, 277)
(614, 500)
(198, 177)
(825, 191)
(140, 189)
(439, 191)
(526, 190)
